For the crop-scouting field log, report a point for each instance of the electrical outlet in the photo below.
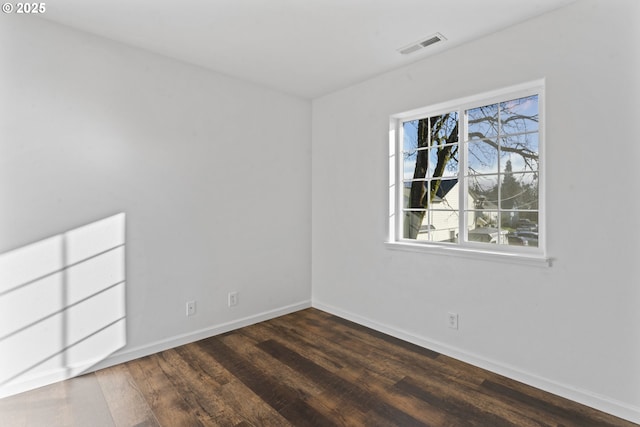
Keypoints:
(191, 308)
(452, 320)
(232, 299)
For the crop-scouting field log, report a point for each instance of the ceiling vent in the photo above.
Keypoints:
(415, 46)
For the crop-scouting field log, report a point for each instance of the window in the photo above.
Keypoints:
(468, 174)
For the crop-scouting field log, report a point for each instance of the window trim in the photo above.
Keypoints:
(465, 248)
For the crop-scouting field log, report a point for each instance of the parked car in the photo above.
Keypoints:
(526, 225)
(516, 240)
(530, 236)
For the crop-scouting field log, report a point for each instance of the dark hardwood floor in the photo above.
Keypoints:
(305, 369)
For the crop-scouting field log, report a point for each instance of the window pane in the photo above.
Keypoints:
(521, 150)
(527, 221)
(482, 218)
(415, 165)
(484, 191)
(443, 161)
(444, 193)
(509, 220)
(527, 228)
(414, 194)
(519, 191)
(482, 157)
(412, 226)
(444, 129)
(482, 122)
(490, 235)
(409, 165)
(442, 226)
(438, 132)
(530, 195)
(410, 140)
(441, 191)
(519, 115)
(520, 221)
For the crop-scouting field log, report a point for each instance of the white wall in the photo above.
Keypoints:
(212, 174)
(573, 328)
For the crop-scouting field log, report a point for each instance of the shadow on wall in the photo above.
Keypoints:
(62, 305)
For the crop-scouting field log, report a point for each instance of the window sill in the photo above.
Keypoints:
(495, 256)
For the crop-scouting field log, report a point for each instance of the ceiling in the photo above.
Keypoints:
(306, 48)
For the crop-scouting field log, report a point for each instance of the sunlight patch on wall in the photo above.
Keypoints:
(62, 305)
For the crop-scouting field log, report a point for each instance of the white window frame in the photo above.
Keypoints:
(463, 247)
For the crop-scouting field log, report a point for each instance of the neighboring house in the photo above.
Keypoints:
(440, 224)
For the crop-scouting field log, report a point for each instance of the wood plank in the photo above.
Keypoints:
(386, 357)
(339, 388)
(459, 411)
(567, 414)
(230, 393)
(261, 383)
(44, 406)
(271, 367)
(68, 403)
(126, 403)
(393, 341)
(215, 404)
(379, 358)
(384, 389)
(249, 407)
(287, 401)
(201, 362)
(318, 348)
(166, 402)
(87, 403)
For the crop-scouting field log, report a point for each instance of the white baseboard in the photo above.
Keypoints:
(594, 400)
(128, 354)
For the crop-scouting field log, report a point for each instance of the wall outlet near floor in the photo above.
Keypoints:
(452, 320)
(232, 299)
(191, 308)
